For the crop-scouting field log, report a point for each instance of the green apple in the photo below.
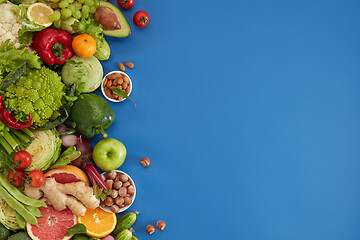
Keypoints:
(109, 154)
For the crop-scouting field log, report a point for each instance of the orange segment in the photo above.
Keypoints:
(98, 222)
(68, 173)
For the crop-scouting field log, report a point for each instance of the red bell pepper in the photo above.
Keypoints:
(10, 121)
(53, 46)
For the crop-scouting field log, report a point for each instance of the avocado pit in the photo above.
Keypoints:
(107, 18)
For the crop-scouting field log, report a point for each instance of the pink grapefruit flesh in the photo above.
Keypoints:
(53, 225)
(65, 177)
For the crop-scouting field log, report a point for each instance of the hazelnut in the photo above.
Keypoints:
(127, 184)
(127, 201)
(122, 191)
(123, 177)
(131, 190)
(114, 193)
(161, 225)
(109, 183)
(114, 208)
(103, 178)
(145, 162)
(117, 184)
(109, 201)
(119, 201)
(111, 175)
(102, 204)
(150, 229)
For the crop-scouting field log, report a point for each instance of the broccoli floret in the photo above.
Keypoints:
(40, 92)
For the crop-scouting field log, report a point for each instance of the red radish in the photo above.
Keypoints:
(53, 225)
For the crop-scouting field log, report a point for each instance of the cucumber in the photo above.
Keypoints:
(134, 238)
(124, 235)
(124, 222)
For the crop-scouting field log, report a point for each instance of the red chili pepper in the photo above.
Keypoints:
(10, 121)
(53, 46)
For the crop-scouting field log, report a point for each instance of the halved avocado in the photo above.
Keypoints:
(113, 20)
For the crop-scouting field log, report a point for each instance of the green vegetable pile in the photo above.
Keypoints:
(40, 93)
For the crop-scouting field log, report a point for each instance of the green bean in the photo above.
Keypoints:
(19, 195)
(34, 211)
(17, 206)
(20, 220)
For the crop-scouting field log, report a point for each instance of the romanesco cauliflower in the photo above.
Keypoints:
(40, 92)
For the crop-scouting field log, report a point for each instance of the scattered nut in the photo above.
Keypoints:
(161, 225)
(145, 162)
(116, 80)
(150, 229)
(129, 65)
(127, 184)
(102, 204)
(121, 66)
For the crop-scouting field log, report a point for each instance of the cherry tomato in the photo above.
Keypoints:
(15, 179)
(37, 178)
(22, 159)
(141, 19)
(125, 4)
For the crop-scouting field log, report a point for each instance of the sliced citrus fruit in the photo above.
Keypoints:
(53, 225)
(39, 13)
(98, 222)
(68, 174)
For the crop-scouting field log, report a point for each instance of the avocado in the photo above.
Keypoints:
(112, 20)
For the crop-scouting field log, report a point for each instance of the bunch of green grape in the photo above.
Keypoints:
(65, 9)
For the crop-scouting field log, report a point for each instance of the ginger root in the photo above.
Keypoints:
(76, 196)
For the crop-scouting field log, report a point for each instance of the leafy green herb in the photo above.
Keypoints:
(14, 76)
(100, 193)
(70, 61)
(122, 93)
(78, 228)
(66, 157)
(78, 75)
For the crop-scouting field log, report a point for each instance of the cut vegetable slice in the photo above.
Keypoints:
(39, 13)
(98, 222)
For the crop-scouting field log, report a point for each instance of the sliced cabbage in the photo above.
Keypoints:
(44, 149)
(7, 216)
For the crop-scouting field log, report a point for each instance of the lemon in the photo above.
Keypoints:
(39, 13)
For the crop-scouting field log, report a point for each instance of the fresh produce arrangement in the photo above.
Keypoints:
(51, 187)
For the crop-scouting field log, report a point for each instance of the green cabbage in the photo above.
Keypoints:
(44, 149)
(7, 216)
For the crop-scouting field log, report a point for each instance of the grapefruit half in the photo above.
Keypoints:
(53, 225)
(68, 174)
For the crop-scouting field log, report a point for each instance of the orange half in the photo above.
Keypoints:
(98, 222)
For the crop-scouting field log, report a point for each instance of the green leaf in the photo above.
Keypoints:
(78, 228)
(66, 157)
(122, 93)
(14, 76)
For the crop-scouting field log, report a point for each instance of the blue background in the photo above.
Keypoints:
(249, 113)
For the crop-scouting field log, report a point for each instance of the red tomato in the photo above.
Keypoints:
(37, 178)
(141, 19)
(22, 159)
(15, 179)
(125, 4)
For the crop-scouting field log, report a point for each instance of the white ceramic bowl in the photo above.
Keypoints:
(106, 208)
(102, 86)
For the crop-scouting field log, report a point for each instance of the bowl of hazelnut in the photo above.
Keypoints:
(116, 79)
(123, 191)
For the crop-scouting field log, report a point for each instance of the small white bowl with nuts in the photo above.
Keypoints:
(116, 79)
(123, 191)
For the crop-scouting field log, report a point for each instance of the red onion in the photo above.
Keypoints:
(69, 140)
(108, 237)
(84, 146)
